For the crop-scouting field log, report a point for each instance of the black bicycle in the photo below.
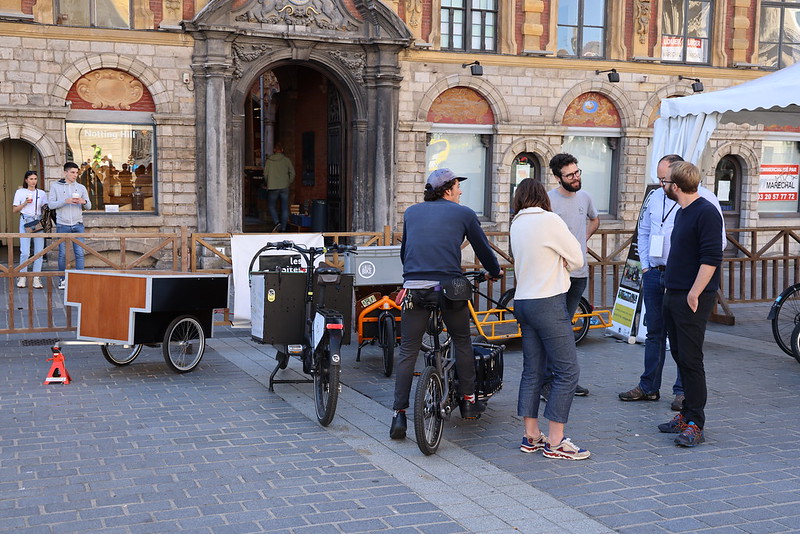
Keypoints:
(436, 394)
(320, 346)
(785, 317)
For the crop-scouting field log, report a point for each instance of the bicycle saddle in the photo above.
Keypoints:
(328, 275)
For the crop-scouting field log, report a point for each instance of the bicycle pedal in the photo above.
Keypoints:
(294, 349)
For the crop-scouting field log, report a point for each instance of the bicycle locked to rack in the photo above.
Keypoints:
(436, 394)
(314, 334)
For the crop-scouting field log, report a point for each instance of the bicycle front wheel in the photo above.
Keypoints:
(428, 422)
(326, 385)
(787, 316)
(120, 354)
(388, 339)
(580, 325)
(184, 344)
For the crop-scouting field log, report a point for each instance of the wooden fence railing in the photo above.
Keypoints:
(759, 264)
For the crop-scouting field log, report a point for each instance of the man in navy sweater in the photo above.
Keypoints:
(691, 280)
(433, 232)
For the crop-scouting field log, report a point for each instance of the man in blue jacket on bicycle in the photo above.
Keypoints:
(433, 232)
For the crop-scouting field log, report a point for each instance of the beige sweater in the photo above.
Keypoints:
(541, 243)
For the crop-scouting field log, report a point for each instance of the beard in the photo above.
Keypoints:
(671, 194)
(569, 187)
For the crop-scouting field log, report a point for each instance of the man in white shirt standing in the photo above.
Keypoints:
(655, 231)
(576, 208)
(69, 198)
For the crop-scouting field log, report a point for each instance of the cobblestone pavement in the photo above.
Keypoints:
(141, 449)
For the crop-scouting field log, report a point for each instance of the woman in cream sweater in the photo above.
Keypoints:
(545, 251)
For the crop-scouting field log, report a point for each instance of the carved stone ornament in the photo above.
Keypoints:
(354, 61)
(324, 14)
(413, 12)
(107, 88)
(246, 54)
(642, 19)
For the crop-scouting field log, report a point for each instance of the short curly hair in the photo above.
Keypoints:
(560, 161)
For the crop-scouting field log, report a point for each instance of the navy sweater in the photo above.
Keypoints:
(432, 236)
(695, 241)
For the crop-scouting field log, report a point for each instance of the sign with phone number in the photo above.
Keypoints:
(777, 196)
(779, 182)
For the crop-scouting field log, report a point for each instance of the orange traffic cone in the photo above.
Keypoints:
(58, 371)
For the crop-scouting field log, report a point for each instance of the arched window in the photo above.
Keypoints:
(112, 138)
(525, 165)
(461, 140)
(593, 137)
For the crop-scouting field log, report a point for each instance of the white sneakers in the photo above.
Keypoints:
(23, 282)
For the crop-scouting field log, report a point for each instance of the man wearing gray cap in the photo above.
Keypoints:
(433, 232)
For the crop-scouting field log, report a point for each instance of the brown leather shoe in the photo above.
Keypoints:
(636, 394)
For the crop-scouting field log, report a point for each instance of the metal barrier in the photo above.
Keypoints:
(762, 262)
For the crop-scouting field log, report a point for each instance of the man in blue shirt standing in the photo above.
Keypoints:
(69, 198)
(691, 280)
(433, 232)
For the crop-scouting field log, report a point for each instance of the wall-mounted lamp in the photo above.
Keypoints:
(697, 86)
(474, 67)
(613, 75)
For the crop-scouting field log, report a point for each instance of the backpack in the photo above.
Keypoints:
(48, 218)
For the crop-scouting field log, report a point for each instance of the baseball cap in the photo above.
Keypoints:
(439, 177)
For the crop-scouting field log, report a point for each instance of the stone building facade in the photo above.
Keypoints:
(185, 99)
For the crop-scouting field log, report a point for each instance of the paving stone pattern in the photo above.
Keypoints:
(141, 449)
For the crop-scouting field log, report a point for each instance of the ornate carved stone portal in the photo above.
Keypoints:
(323, 14)
(110, 89)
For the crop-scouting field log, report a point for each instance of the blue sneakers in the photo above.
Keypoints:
(691, 436)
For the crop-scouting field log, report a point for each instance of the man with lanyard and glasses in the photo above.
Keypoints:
(433, 232)
(655, 231)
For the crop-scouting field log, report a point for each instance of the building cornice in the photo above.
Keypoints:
(71, 33)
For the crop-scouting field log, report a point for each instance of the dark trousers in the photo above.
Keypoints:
(415, 320)
(686, 330)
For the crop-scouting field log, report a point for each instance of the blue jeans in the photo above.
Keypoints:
(76, 248)
(25, 246)
(655, 341)
(547, 340)
(576, 288)
(272, 199)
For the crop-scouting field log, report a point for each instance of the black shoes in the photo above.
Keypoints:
(545, 393)
(399, 425)
(471, 410)
(581, 391)
(677, 404)
(638, 394)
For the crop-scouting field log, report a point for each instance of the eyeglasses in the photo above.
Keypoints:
(663, 181)
(572, 175)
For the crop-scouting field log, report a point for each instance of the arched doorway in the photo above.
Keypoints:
(302, 109)
(16, 157)
(727, 187)
(525, 165)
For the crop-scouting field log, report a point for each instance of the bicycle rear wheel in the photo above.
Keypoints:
(787, 316)
(326, 384)
(433, 331)
(580, 326)
(796, 343)
(428, 422)
(387, 339)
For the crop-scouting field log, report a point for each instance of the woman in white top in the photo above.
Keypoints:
(545, 251)
(28, 202)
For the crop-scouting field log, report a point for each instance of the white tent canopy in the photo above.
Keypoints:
(686, 124)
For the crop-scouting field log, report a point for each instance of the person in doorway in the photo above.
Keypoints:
(433, 232)
(279, 175)
(545, 251)
(655, 231)
(69, 199)
(691, 280)
(28, 202)
(576, 208)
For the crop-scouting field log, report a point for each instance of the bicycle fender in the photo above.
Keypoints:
(335, 345)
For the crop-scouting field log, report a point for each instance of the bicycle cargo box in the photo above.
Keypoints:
(376, 266)
(488, 369)
(277, 306)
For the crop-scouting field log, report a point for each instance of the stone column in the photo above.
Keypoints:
(532, 27)
(173, 14)
(216, 153)
(741, 31)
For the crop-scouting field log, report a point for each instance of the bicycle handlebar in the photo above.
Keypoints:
(336, 247)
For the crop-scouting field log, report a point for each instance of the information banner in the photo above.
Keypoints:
(778, 182)
(628, 302)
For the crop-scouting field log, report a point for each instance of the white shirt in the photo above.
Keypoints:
(33, 209)
(541, 242)
(657, 220)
